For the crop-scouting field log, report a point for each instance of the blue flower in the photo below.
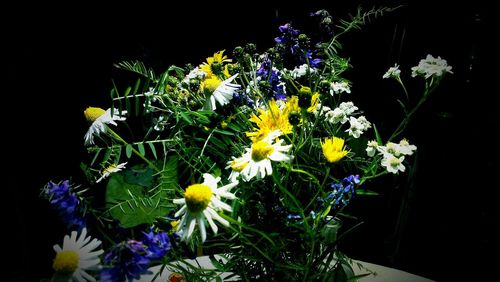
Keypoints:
(273, 77)
(157, 244)
(65, 201)
(126, 261)
(343, 192)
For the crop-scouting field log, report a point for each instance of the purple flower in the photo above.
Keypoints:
(125, 261)
(157, 244)
(343, 192)
(273, 77)
(65, 201)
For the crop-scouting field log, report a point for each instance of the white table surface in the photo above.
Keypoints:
(382, 273)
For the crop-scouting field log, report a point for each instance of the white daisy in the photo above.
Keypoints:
(260, 155)
(200, 202)
(99, 118)
(76, 256)
(111, 169)
(236, 165)
(222, 92)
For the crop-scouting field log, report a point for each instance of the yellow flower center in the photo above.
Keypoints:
(197, 197)
(261, 150)
(333, 149)
(210, 84)
(109, 169)
(93, 113)
(174, 224)
(394, 162)
(238, 165)
(66, 262)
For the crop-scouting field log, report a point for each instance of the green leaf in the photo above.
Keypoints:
(136, 98)
(186, 117)
(225, 132)
(377, 135)
(95, 158)
(128, 204)
(128, 150)
(140, 146)
(127, 101)
(153, 149)
(140, 174)
(107, 154)
(364, 192)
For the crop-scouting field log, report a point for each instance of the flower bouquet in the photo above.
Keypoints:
(250, 156)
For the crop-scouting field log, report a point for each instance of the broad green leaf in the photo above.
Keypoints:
(126, 203)
(140, 175)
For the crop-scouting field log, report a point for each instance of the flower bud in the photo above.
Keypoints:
(305, 95)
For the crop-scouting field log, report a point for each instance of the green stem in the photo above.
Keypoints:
(118, 138)
(372, 176)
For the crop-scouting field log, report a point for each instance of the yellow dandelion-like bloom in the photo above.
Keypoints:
(269, 121)
(314, 102)
(292, 105)
(333, 149)
(215, 65)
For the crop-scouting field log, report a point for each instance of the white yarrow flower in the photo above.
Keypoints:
(406, 148)
(371, 148)
(392, 72)
(393, 164)
(339, 87)
(431, 66)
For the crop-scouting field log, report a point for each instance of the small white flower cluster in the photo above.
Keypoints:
(195, 73)
(394, 72)
(431, 66)
(342, 114)
(301, 71)
(393, 154)
(339, 87)
(358, 126)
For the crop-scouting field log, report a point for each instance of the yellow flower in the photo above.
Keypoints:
(269, 121)
(292, 105)
(215, 65)
(314, 103)
(202, 202)
(333, 149)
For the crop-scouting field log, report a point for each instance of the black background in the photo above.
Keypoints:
(59, 60)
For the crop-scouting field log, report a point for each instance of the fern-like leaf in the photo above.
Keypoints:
(137, 67)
